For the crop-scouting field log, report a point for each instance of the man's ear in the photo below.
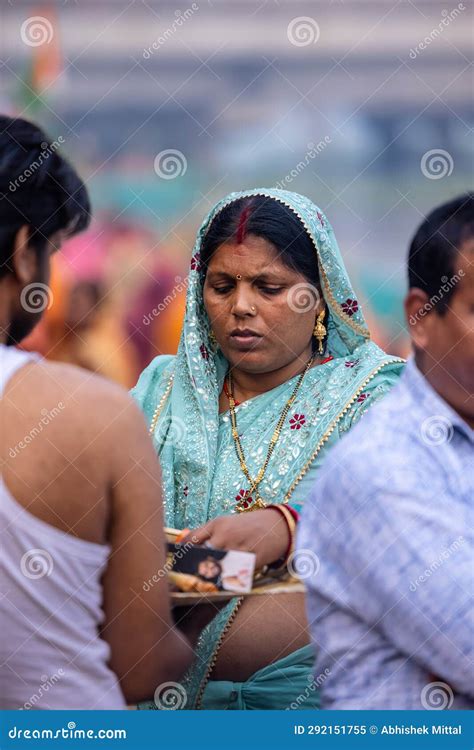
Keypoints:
(23, 260)
(419, 317)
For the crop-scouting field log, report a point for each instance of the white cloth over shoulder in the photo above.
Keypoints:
(51, 655)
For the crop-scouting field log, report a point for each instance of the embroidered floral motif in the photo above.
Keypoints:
(297, 421)
(320, 217)
(186, 491)
(196, 262)
(204, 352)
(243, 498)
(362, 397)
(351, 363)
(350, 307)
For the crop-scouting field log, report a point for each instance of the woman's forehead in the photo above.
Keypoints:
(254, 256)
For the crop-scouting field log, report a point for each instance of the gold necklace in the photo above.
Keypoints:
(244, 504)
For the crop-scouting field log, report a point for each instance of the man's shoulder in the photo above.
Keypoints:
(387, 435)
(386, 418)
(86, 393)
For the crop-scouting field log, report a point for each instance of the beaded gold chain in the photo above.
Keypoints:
(244, 504)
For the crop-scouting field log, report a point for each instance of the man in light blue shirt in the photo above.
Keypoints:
(389, 525)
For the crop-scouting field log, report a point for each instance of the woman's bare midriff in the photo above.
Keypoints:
(266, 629)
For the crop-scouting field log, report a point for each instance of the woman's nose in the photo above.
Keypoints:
(243, 303)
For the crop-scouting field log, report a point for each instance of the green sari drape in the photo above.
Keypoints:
(202, 477)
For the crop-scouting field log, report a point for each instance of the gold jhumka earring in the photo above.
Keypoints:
(320, 331)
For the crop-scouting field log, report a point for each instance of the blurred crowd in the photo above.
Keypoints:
(116, 299)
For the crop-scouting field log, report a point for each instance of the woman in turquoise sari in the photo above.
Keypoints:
(274, 363)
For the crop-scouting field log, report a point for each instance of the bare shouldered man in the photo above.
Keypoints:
(81, 526)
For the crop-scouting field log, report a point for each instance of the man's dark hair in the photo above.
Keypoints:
(435, 246)
(38, 187)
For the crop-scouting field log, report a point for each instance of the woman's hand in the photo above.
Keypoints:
(261, 531)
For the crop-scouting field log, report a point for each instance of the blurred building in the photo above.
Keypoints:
(167, 109)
